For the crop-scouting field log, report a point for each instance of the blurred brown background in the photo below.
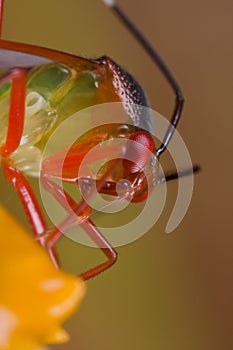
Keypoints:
(166, 292)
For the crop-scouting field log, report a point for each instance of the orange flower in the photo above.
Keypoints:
(35, 298)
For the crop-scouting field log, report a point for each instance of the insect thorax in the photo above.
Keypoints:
(56, 91)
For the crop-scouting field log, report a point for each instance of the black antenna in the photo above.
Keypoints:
(182, 173)
(162, 66)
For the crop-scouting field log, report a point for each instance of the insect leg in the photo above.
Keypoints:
(80, 216)
(31, 206)
(17, 110)
(157, 59)
(103, 244)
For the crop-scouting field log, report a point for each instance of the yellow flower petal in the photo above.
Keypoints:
(35, 297)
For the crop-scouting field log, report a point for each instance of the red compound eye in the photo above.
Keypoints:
(138, 152)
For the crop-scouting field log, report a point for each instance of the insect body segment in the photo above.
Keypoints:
(54, 92)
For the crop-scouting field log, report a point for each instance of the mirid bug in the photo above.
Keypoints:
(39, 89)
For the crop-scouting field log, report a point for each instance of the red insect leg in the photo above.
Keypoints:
(103, 244)
(17, 110)
(30, 204)
(81, 213)
(141, 144)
